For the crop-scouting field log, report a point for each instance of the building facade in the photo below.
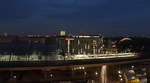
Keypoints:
(80, 44)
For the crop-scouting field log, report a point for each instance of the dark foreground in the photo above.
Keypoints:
(115, 72)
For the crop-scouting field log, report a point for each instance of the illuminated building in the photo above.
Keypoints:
(62, 33)
(81, 44)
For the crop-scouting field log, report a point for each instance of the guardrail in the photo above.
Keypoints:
(60, 57)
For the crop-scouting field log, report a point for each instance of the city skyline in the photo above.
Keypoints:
(107, 17)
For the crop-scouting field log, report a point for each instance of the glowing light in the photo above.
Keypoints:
(85, 73)
(132, 66)
(104, 74)
(96, 73)
(131, 71)
(92, 81)
(84, 36)
(121, 79)
(14, 77)
(51, 75)
(119, 71)
(120, 76)
(69, 39)
(79, 68)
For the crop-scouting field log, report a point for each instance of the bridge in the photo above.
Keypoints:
(61, 63)
(74, 71)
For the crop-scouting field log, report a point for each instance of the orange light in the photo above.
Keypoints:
(69, 39)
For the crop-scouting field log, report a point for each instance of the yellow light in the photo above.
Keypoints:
(121, 79)
(96, 73)
(83, 68)
(134, 81)
(119, 71)
(120, 76)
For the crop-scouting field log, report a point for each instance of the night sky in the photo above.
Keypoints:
(107, 17)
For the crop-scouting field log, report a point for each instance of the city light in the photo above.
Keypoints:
(75, 58)
(79, 68)
(120, 76)
(104, 74)
(96, 73)
(119, 72)
(121, 79)
(75, 41)
(14, 77)
(51, 75)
